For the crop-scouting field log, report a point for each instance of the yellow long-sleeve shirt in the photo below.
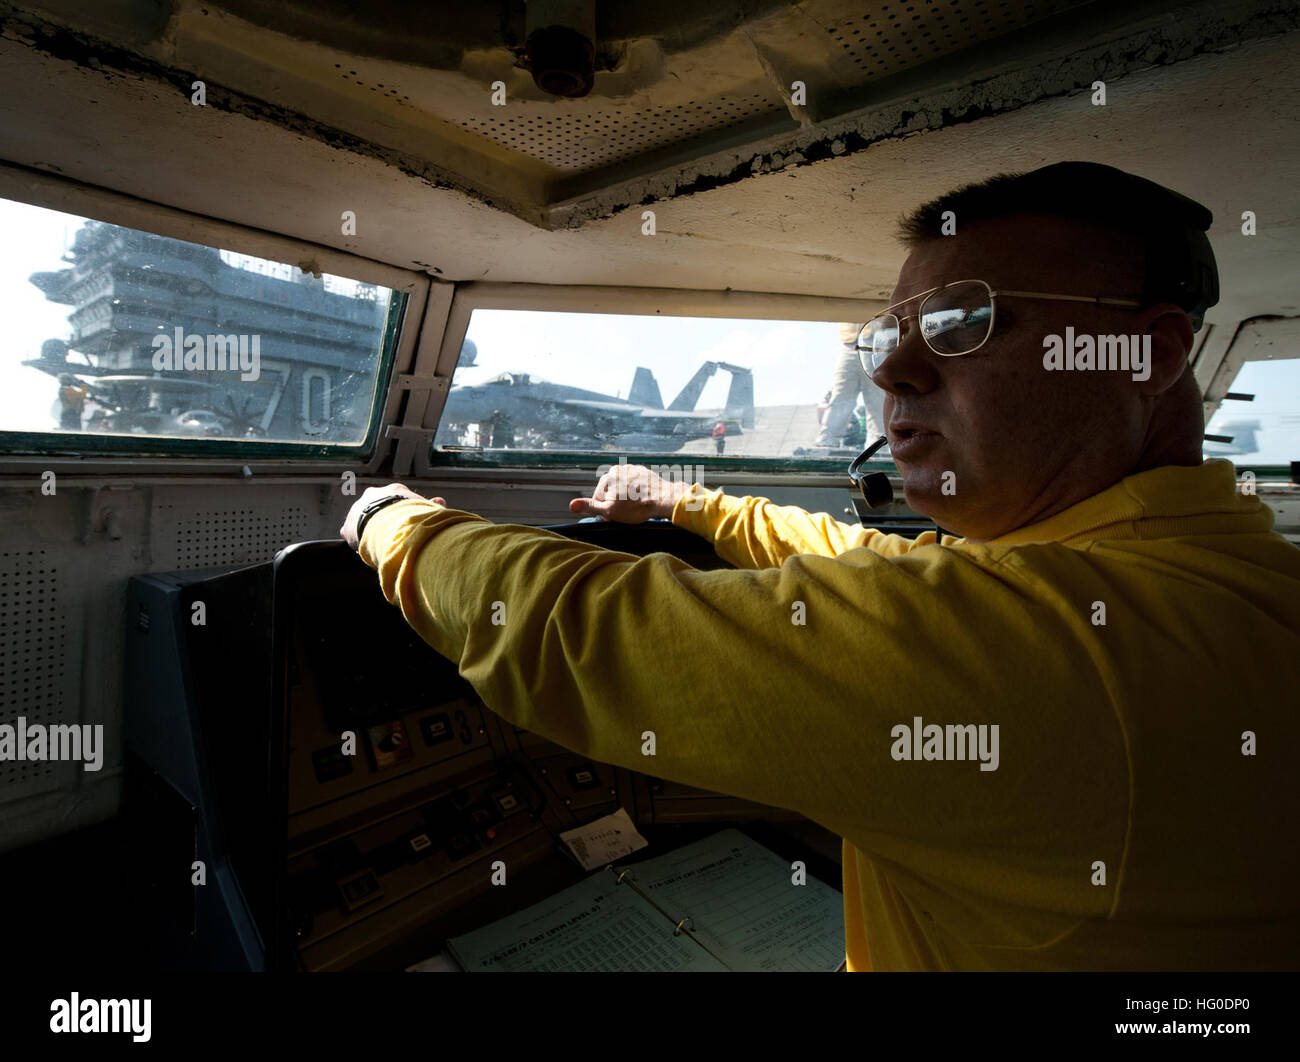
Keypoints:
(1122, 647)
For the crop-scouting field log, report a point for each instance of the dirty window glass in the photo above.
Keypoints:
(544, 381)
(1264, 428)
(116, 332)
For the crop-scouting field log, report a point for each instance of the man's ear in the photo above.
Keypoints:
(1172, 340)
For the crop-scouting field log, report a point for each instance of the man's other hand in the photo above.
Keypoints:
(348, 532)
(629, 494)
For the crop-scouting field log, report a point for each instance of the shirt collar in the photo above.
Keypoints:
(1160, 502)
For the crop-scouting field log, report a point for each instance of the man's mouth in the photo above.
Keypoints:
(904, 429)
(907, 438)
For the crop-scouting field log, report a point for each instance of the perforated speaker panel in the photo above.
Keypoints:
(187, 538)
(898, 34)
(35, 679)
(577, 142)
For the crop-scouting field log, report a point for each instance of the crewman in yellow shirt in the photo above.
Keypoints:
(1064, 740)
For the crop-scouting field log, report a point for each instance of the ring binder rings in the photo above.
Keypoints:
(746, 912)
(627, 877)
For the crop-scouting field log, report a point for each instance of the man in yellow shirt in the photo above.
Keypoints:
(1063, 740)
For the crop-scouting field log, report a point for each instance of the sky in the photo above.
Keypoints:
(1276, 387)
(792, 361)
(35, 240)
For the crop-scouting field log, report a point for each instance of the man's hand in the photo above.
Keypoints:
(348, 532)
(629, 494)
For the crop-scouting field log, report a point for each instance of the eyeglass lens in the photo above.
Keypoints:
(954, 320)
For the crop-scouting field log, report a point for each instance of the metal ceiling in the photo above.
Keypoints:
(699, 95)
(601, 134)
(675, 83)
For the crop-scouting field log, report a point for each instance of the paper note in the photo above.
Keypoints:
(603, 841)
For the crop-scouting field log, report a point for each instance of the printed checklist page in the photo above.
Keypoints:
(595, 926)
(745, 908)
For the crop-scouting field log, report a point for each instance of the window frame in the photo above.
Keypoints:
(1222, 355)
(20, 452)
(631, 302)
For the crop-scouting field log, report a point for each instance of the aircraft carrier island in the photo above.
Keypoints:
(175, 339)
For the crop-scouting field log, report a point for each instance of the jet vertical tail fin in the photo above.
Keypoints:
(645, 390)
(690, 394)
(740, 397)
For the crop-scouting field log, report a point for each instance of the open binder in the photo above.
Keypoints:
(723, 903)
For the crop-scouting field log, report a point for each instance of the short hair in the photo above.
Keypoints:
(1179, 262)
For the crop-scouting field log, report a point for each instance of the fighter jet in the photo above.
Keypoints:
(556, 416)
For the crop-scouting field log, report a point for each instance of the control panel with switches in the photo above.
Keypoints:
(362, 797)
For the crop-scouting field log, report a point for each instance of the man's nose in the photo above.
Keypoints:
(911, 366)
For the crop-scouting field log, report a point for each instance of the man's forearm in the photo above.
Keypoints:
(754, 533)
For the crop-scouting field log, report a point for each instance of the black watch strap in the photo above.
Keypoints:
(373, 508)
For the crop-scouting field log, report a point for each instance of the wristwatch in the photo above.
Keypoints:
(373, 508)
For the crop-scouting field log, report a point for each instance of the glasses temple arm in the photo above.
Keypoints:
(1103, 300)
